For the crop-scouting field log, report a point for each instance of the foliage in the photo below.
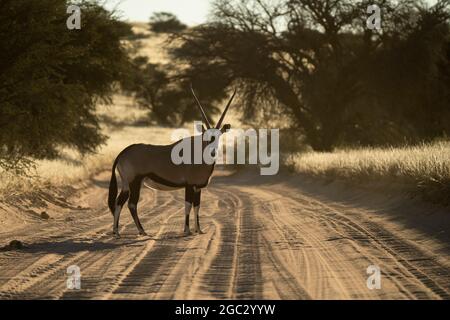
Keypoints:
(165, 22)
(168, 97)
(423, 169)
(341, 82)
(52, 77)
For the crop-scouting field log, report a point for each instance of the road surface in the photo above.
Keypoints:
(265, 238)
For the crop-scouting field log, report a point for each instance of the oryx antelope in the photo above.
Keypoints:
(153, 164)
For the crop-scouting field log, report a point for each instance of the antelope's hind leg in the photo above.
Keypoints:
(135, 192)
(188, 201)
(197, 197)
(120, 201)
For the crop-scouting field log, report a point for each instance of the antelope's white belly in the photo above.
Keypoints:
(149, 183)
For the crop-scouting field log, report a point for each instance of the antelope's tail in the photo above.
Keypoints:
(113, 189)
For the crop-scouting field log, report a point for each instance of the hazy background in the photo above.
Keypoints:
(189, 12)
(330, 84)
(353, 105)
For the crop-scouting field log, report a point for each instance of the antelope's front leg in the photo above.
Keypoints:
(197, 197)
(189, 198)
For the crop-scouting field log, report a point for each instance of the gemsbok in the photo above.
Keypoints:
(154, 165)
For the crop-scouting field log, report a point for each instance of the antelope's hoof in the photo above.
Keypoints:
(143, 233)
(116, 235)
(199, 231)
(187, 233)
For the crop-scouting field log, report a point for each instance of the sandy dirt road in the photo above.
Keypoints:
(265, 237)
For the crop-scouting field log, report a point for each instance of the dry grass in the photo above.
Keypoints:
(152, 45)
(423, 169)
(71, 168)
(123, 123)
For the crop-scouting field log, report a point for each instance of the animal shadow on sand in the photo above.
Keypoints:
(79, 245)
(76, 246)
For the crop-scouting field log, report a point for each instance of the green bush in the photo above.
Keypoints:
(52, 77)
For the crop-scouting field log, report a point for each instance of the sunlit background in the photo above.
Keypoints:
(190, 12)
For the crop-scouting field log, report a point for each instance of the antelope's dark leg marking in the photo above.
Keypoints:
(121, 199)
(197, 198)
(135, 191)
(189, 200)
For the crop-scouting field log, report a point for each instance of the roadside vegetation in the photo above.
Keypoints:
(52, 78)
(335, 88)
(423, 170)
(70, 169)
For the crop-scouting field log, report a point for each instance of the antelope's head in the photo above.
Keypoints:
(213, 133)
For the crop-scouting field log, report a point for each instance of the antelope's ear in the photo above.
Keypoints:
(225, 128)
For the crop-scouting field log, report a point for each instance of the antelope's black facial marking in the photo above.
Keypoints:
(225, 128)
(211, 137)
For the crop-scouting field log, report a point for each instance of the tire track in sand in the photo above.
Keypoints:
(42, 274)
(262, 240)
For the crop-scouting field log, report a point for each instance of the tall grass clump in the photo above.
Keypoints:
(71, 168)
(424, 168)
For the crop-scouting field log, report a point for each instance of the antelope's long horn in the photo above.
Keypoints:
(219, 124)
(205, 119)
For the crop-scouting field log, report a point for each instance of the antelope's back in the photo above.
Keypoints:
(155, 161)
